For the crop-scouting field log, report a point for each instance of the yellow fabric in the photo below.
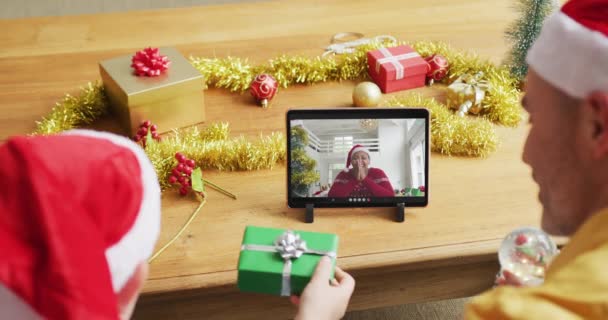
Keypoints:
(576, 283)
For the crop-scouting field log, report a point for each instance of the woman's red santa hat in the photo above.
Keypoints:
(78, 213)
(571, 51)
(356, 148)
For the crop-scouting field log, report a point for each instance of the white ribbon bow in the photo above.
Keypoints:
(349, 46)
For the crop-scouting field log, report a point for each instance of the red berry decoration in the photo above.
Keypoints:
(422, 188)
(521, 239)
(438, 68)
(148, 62)
(182, 175)
(183, 191)
(180, 157)
(263, 88)
(142, 133)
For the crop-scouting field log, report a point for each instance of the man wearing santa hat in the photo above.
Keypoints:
(360, 181)
(566, 97)
(79, 217)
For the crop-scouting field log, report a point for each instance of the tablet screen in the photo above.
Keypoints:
(345, 157)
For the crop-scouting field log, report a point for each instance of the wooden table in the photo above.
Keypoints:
(446, 250)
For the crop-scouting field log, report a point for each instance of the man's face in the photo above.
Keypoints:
(554, 155)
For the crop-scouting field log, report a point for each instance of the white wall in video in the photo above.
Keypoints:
(358, 157)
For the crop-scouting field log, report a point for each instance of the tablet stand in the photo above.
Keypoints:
(400, 214)
(310, 213)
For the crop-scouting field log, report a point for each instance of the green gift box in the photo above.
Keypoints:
(281, 262)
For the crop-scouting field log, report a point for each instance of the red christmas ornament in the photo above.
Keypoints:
(422, 189)
(521, 240)
(263, 88)
(438, 68)
(148, 62)
(142, 133)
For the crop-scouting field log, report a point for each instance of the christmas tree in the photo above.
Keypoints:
(303, 172)
(524, 32)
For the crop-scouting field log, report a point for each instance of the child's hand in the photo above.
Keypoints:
(322, 300)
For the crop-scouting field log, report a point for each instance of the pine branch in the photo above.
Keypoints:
(524, 31)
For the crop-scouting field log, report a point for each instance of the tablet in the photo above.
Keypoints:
(358, 157)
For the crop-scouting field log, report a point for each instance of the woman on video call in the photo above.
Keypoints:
(360, 180)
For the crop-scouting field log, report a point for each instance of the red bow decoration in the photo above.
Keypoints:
(148, 62)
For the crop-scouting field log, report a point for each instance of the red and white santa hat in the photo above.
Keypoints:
(571, 51)
(78, 213)
(356, 148)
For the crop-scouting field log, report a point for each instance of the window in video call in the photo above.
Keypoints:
(358, 158)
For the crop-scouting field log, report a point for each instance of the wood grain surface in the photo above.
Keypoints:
(443, 251)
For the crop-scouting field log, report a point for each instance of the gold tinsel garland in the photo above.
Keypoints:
(212, 147)
(72, 112)
(451, 134)
(501, 104)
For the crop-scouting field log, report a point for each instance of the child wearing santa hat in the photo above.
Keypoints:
(360, 181)
(79, 217)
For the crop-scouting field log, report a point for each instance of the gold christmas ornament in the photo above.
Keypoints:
(466, 94)
(366, 94)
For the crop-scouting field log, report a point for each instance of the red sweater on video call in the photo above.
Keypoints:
(376, 184)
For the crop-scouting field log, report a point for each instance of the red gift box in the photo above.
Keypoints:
(397, 68)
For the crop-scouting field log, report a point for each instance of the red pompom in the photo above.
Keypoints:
(148, 62)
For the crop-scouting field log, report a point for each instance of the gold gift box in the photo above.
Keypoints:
(466, 94)
(466, 100)
(171, 100)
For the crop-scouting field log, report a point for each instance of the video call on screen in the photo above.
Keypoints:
(387, 158)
